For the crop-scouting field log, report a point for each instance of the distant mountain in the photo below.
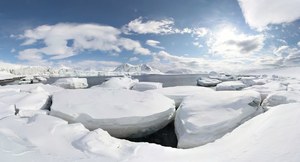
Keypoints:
(136, 69)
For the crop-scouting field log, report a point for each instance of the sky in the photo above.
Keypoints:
(166, 34)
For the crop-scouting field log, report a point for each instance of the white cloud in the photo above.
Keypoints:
(65, 40)
(298, 43)
(154, 43)
(287, 56)
(197, 44)
(132, 59)
(199, 32)
(161, 27)
(228, 42)
(89, 64)
(164, 26)
(261, 13)
(165, 61)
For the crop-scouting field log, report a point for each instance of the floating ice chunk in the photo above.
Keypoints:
(71, 83)
(180, 92)
(119, 83)
(123, 113)
(203, 118)
(207, 82)
(143, 86)
(230, 86)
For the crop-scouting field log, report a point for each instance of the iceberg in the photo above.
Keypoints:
(230, 86)
(118, 83)
(144, 86)
(71, 83)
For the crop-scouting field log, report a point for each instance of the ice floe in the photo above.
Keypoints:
(123, 113)
(143, 86)
(71, 83)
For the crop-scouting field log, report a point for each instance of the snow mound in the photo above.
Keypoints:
(178, 93)
(282, 97)
(207, 82)
(230, 86)
(203, 118)
(119, 83)
(71, 83)
(144, 86)
(123, 113)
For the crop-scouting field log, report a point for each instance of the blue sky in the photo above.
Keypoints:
(194, 34)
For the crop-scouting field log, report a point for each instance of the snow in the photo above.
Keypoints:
(268, 88)
(207, 82)
(230, 86)
(203, 118)
(6, 110)
(31, 88)
(6, 75)
(123, 113)
(281, 97)
(119, 83)
(222, 77)
(178, 93)
(71, 83)
(144, 86)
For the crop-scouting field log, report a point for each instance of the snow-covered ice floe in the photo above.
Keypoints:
(71, 83)
(207, 82)
(281, 97)
(230, 86)
(118, 83)
(178, 93)
(203, 118)
(144, 86)
(26, 100)
(268, 88)
(123, 113)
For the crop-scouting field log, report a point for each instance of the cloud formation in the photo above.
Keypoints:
(154, 43)
(160, 27)
(228, 42)
(65, 40)
(261, 13)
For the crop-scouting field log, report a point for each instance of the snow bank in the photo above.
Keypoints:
(123, 113)
(71, 83)
(230, 86)
(203, 118)
(119, 83)
(207, 82)
(180, 92)
(144, 86)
